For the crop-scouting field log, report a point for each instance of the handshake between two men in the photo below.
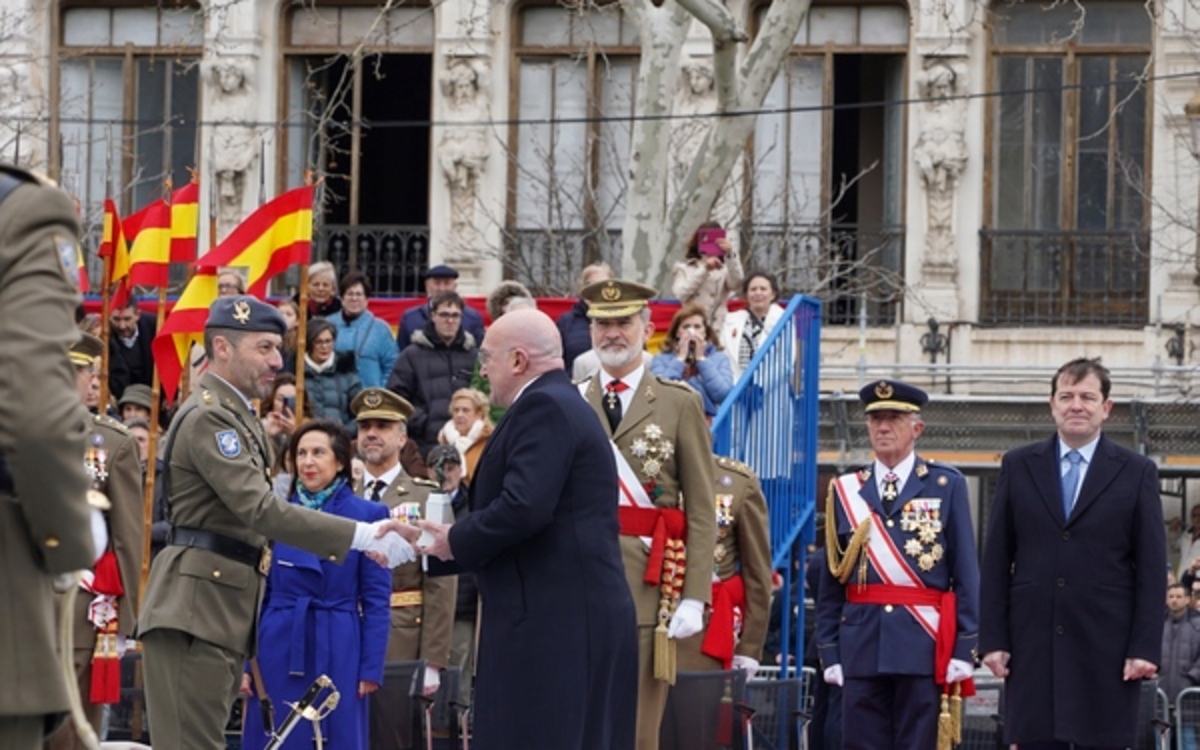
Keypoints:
(393, 542)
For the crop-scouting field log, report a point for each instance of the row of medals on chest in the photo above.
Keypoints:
(921, 517)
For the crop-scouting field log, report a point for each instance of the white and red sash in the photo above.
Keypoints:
(885, 556)
(629, 490)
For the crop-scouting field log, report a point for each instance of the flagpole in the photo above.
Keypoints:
(105, 285)
(151, 455)
(301, 334)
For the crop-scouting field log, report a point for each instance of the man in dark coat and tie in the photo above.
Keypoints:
(557, 661)
(1074, 576)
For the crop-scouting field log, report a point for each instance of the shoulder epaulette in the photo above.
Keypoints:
(110, 423)
(935, 466)
(734, 465)
(423, 482)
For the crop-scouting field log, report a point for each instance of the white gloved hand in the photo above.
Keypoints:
(688, 619)
(833, 675)
(99, 533)
(958, 670)
(745, 663)
(391, 546)
(433, 680)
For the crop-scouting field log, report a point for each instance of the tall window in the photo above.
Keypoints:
(1068, 241)
(358, 102)
(576, 82)
(825, 175)
(129, 96)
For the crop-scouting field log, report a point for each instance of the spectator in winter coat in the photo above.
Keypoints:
(322, 290)
(690, 353)
(708, 280)
(362, 334)
(438, 363)
(330, 378)
(438, 279)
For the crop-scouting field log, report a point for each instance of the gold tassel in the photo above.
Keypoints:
(662, 664)
(944, 729)
(842, 561)
(956, 714)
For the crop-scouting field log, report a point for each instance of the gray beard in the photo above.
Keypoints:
(615, 359)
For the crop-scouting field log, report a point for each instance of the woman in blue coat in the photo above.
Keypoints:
(319, 617)
(690, 353)
(362, 334)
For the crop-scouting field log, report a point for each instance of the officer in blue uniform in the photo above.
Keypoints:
(898, 610)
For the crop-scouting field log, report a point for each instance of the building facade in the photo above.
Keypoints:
(977, 191)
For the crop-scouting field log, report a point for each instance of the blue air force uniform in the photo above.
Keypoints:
(923, 538)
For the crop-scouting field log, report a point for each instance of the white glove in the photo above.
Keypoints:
(833, 675)
(745, 662)
(433, 679)
(687, 620)
(391, 546)
(958, 670)
(99, 533)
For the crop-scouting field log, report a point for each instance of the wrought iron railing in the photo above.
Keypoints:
(1052, 278)
(549, 261)
(392, 256)
(854, 269)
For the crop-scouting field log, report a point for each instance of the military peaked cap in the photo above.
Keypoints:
(86, 350)
(892, 395)
(380, 403)
(615, 298)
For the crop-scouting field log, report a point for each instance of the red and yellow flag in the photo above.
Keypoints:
(183, 328)
(113, 243)
(81, 277)
(272, 238)
(149, 233)
(185, 222)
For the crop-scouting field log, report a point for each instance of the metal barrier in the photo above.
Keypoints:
(769, 421)
(1186, 723)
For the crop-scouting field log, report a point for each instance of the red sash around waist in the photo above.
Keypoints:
(660, 524)
(727, 595)
(911, 596)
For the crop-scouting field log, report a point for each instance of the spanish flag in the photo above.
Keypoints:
(184, 327)
(277, 235)
(272, 238)
(149, 232)
(185, 222)
(113, 243)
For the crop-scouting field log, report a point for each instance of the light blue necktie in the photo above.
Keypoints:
(1070, 482)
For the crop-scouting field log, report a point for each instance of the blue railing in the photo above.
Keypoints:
(769, 421)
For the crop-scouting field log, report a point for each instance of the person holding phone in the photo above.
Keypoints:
(691, 353)
(710, 273)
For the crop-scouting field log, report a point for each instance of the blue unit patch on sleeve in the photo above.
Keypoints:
(228, 443)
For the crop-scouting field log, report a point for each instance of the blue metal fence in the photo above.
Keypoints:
(769, 421)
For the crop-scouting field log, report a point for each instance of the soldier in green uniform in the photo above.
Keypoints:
(107, 606)
(741, 579)
(663, 451)
(422, 605)
(44, 518)
(198, 618)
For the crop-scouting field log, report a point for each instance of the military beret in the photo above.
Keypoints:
(86, 350)
(245, 313)
(615, 298)
(440, 272)
(138, 395)
(380, 403)
(443, 454)
(892, 395)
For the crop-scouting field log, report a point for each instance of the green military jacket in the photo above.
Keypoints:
(744, 546)
(422, 605)
(44, 524)
(667, 419)
(112, 462)
(218, 462)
